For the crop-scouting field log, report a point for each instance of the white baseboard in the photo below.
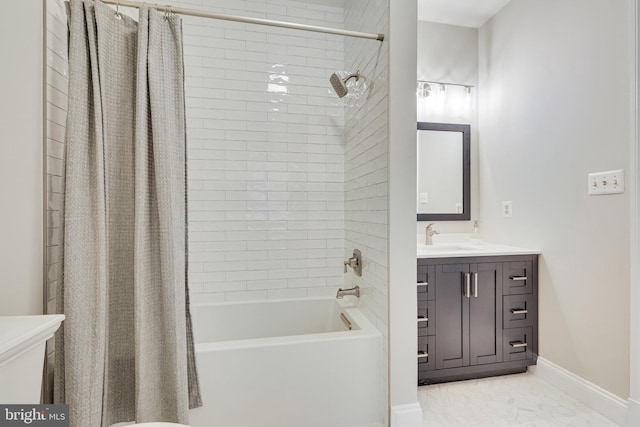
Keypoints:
(409, 415)
(595, 397)
(634, 413)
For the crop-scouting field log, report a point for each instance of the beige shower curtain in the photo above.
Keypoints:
(126, 350)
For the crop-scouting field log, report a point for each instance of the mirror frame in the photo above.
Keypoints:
(466, 171)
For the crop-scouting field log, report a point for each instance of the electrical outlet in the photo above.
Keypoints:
(507, 209)
(610, 182)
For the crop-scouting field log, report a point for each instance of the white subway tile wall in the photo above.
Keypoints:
(366, 167)
(56, 117)
(265, 153)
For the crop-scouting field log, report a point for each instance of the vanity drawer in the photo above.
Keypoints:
(425, 344)
(426, 318)
(518, 277)
(518, 344)
(425, 273)
(519, 311)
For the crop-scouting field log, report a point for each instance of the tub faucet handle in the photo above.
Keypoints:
(354, 262)
(351, 262)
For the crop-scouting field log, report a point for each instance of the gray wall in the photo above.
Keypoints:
(21, 157)
(555, 106)
(449, 53)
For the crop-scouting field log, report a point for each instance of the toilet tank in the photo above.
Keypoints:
(22, 351)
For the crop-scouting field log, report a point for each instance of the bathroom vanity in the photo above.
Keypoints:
(477, 311)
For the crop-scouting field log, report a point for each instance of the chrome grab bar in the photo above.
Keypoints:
(518, 278)
(517, 344)
(519, 311)
(346, 321)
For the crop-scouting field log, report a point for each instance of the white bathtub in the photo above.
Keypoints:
(287, 363)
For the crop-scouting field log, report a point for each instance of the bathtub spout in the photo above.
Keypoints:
(355, 291)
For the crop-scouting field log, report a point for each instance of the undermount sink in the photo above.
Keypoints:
(444, 247)
(454, 247)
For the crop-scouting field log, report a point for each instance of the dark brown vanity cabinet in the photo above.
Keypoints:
(477, 317)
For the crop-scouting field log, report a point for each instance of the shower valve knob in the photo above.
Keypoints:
(354, 262)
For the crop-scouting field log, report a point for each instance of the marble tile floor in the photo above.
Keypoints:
(512, 400)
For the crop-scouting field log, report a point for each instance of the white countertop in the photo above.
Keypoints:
(446, 248)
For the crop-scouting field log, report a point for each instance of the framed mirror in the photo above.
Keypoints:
(444, 172)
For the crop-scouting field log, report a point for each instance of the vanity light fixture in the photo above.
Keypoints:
(425, 87)
(426, 90)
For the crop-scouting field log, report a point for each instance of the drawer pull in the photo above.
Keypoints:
(422, 283)
(422, 354)
(517, 344)
(518, 278)
(423, 319)
(475, 285)
(467, 285)
(519, 311)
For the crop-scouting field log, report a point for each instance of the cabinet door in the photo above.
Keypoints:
(485, 313)
(452, 316)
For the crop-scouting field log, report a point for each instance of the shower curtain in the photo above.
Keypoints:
(126, 350)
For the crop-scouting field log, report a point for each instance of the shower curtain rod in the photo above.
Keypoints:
(248, 20)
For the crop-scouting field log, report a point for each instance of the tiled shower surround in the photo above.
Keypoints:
(266, 153)
(56, 108)
(366, 167)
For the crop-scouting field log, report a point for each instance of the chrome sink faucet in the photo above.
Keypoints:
(429, 233)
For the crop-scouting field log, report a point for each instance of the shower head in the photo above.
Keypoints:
(340, 85)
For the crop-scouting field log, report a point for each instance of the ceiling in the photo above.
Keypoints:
(466, 13)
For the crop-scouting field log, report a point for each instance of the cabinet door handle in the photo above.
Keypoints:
(517, 344)
(423, 319)
(467, 285)
(518, 278)
(519, 311)
(475, 285)
(422, 354)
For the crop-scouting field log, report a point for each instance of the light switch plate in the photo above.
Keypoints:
(424, 197)
(609, 182)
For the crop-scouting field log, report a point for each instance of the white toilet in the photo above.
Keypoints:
(160, 425)
(22, 348)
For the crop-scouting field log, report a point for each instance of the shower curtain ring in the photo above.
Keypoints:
(118, 15)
